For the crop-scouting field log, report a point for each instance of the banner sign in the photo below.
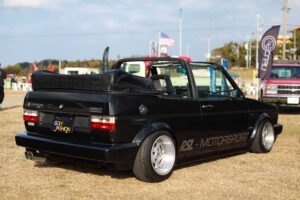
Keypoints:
(266, 52)
(105, 60)
(212, 73)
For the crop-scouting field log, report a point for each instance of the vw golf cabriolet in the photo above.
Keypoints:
(177, 113)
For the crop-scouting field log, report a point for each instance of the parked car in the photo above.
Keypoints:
(282, 88)
(184, 112)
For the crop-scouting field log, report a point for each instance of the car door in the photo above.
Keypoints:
(224, 111)
(176, 105)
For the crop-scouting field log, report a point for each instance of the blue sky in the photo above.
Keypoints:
(32, 30)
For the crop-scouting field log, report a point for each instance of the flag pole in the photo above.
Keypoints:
(256, 56)
(158, 44)
(180, 31)
(59, 66)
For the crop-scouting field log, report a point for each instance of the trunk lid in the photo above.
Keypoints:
(73, 109)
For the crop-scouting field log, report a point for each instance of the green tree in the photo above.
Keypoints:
(234, 52)
(15, 69)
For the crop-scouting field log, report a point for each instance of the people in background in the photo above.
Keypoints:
(2, 77)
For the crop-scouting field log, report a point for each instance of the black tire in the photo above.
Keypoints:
(259, 145)
(143, 168)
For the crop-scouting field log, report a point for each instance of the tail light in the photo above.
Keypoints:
(30, 116)
(103, 122)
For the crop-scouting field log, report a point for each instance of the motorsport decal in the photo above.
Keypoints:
(188, 145)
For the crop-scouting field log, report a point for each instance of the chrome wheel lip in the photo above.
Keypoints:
(163, 155)
(268, 136)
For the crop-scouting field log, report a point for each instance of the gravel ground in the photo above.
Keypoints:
(13, 99)
(275, 175)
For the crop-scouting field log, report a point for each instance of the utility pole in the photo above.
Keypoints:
(150, 48)
(187, 50)
(208, 48)
(247, 52)
(295, 40)
(238, 53)
(258, 34)
(180, 31)
(238, 50)
(286, 10)
(250, 53)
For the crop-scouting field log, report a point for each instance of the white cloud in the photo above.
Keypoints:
(295, 3)
(195, 4)
(111, 24)
(26, 3)
(95, 9)
(23, 3)
(47, 4)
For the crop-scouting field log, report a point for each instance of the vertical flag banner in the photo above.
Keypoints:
(212, 74)
(105, 59)
(164, 39)
(266, 52)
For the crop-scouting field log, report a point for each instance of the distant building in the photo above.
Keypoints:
(79, 70)
(288, 39)
(296, 28)
(291, 41)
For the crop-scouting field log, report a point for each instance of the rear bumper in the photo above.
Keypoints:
(121, 155)
(279, 101)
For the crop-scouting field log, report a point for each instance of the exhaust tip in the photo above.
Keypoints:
(29, 155)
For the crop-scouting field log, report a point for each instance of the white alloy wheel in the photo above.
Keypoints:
(163, 155)
(268, 136)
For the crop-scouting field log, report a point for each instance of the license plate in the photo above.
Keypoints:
(293, 100)
(63, 124)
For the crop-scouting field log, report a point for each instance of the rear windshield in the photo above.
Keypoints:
(285, 72)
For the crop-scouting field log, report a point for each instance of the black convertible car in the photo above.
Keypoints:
(177, 113)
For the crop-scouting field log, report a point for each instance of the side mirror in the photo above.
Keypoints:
(236, 93)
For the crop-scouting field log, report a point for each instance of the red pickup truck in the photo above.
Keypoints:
(283, 87)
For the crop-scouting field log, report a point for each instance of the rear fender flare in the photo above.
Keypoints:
(149, 129)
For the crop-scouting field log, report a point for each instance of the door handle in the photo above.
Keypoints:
(208, 106)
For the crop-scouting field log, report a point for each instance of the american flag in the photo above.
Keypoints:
(164, 39)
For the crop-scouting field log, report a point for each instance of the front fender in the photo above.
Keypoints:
(259, 120)
(149, 129)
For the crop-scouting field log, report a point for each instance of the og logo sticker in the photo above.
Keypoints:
(59, 126)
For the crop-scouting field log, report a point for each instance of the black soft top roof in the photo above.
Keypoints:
(112, 80)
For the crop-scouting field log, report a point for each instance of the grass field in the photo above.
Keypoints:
(275, 175)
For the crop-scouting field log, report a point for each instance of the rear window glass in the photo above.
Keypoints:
(134, 68)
